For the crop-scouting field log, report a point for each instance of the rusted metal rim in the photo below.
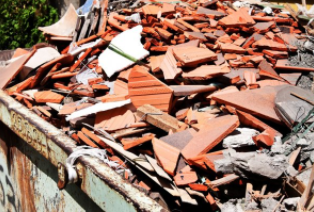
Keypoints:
(102, 184)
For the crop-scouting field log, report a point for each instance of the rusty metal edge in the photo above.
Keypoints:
(55, 146)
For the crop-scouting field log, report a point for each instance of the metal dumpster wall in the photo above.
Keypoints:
(28, 181)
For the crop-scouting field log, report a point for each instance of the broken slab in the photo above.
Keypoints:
(166, 155)
(259, 102)
(169, 64)
(273, 45)
(183, 179)
(190, 56)
(118, 118)
(144, 88)
(206, 72)
(237, 19)
(265, 69)
(48, 96)
(212, 134)
(231, 48)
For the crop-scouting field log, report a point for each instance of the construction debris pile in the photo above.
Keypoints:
(205, 105)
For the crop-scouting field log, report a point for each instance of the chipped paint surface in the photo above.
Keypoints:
(34, 180)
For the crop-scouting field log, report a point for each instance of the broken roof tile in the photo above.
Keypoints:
(206, 72)
(146, 89)
(169, 63)
(193, 55)
(166, 155)
(231, 48)
(237, 19)
(48, 96)
(182, 179)
(273, 45)
(211, 135)
(259, 102)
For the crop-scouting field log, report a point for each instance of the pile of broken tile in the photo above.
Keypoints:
(195, 99)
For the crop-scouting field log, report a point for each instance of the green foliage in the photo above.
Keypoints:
(20, 19)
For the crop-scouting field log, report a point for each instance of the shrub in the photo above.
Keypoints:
(20, 19)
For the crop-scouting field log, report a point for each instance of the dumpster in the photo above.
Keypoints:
(30, 151)
(186, 106)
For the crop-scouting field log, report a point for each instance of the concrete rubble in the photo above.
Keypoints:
(207, 104)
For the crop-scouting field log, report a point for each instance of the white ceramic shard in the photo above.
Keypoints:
(65, 26)
(129, 42)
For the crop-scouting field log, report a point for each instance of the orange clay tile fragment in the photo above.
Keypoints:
(210, 135)
(195, 35)
(239, 41)
(264, 139)
(120, 87)
(266, 70)
(269, 82)
(159, 119)
(206, 161)
(12, 70)
(42, 71)
(206, 72)
(193, 55)
(151, 9)
(276, 54)
(263, 27)
(116, 23)
(128, 143)
(183, 179)
(250, 79)
(100, 87)
(187, 25)
(155, 62)
(231, 48)
(198, 187)
(164, 33)
(184, 90)
(237, 19)
(86, 140)
(249, 120)
(167, 155)
(48, 96)
(146, 89)
(212, 202)
(169, 63)
(260, 102)
(230, 56)
(144, 185)
(273, 45)
(80, 60)
(94, 137)
(118, 118)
